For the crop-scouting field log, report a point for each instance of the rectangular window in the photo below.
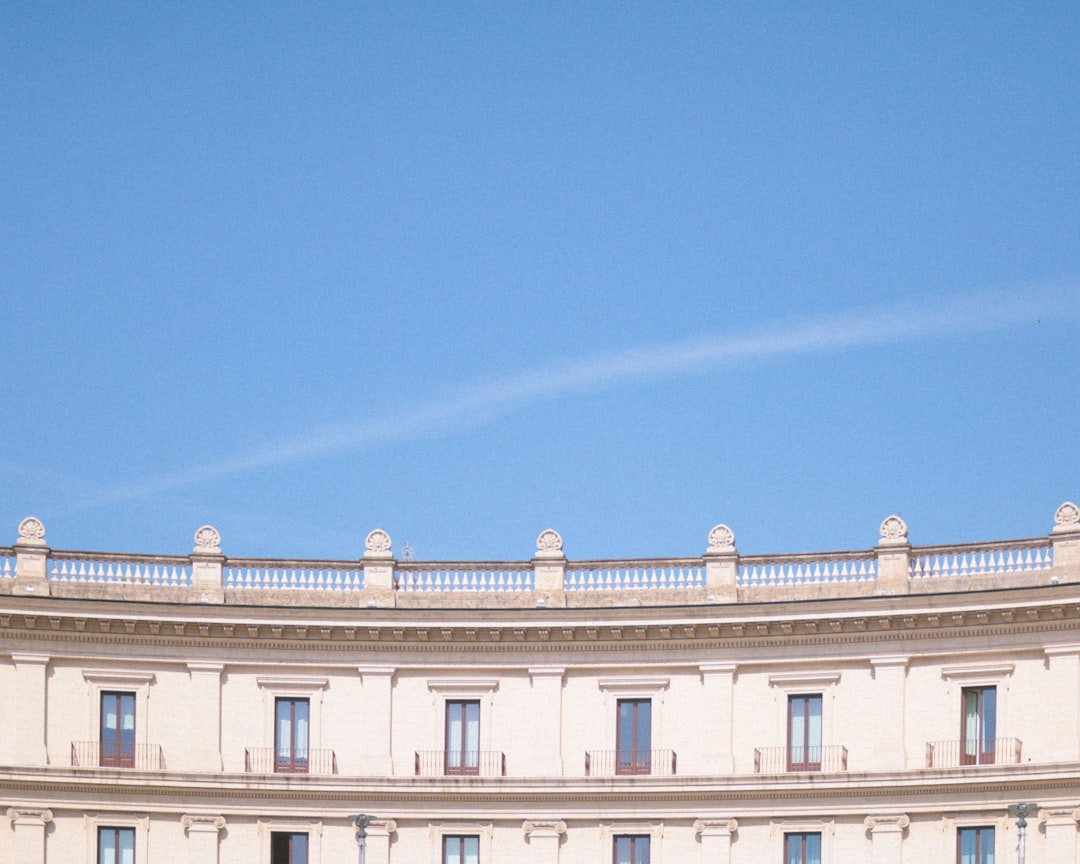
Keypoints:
(288, 848)
(118, 730)
(632, 849)
(804, 733)
(291, 734)
(116, 846)
(978, 732)
(975, 846)
(802, 849)
(633, 737)
(462, 736)
(461, 850)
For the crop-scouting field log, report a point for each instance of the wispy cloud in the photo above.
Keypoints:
(482, 401)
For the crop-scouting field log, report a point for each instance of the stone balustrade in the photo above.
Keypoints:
(721, 575)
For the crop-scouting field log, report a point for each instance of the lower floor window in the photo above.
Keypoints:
(288, 848)
(975, 846)
(116, 846)
(459, 849)
(802, 849)
(633, 849)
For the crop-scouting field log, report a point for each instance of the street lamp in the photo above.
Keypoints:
(361, 821)
(1021, 812)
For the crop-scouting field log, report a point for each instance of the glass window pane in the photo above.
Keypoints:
(622, 850)
(644, 727)
(106, 846)
(813, 848)
(797, 709)
(299, 849)
(813, 731)
(472, 850)
(989, 717)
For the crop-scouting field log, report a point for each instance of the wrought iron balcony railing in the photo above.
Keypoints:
(957, 753)
(609, 763)
(466, 763)
(780, 760)
(268, 760)
(96, 754)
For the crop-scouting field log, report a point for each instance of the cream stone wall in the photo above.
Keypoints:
(890, 665)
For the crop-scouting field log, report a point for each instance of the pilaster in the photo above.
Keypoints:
(890, 702)
(377, 845)
(1062, 713)
(206, 566)
(379, 566)
(549, 569)
(543, 837)
(1059, 823)
(205, 738)
(1065, 539)
(893, 557)
(376, 715)
(722, 566)
(887, 836)
(716, 836)
(202, 833)
(29, 826)
(29, 709)
(31, 559)
(717, 704)
(545, 737)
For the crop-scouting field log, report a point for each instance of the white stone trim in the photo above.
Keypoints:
(825, 827)
(952, 823)
(445, 690)
(974, 674)
(653, 829)
(312, 827)
(139, 821)
(276, 687)
(100, 681)
(798, 682)
(637, 687)
(438, 830)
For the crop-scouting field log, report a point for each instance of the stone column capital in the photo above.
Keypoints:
(715, 827)
(39, 816)
(1059, 816)
(892, 823)
(201, 823)
(381, 827)
(543, 828)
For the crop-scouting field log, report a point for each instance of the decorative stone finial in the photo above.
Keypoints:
(31, 532)
(377, 544)
(1067, 518)
(721, 539)
(549, 544)
(207, 541)
(893, 531)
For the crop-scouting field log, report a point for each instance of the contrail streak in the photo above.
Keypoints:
(483, 401)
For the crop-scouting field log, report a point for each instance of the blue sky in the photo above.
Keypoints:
(466, 271)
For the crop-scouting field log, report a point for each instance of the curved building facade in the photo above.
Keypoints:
(895, 704)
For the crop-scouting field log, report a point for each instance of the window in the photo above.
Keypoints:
(978, 731)
(116, 845)
(288, 848)
(459, 849)
(291, 736)
(633, 849)
(802, 849)
(117, 730)
(462, 736)
(804, 733)
(975, 846)
(633, 737)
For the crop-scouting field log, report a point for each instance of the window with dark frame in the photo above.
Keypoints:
(462, 736)
(461, 849)
(633, 737)
(117, 736)
(116, 845)
(975, 845)
(804, 733)
(802, 848)
(978, 726)
(288, 847)
(292, 731)
(631, 849)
